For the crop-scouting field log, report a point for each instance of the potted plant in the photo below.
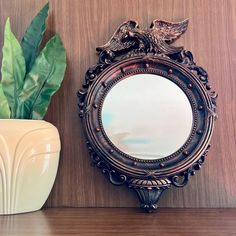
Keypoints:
(29, 146)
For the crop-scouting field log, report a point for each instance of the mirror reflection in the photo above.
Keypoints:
(147, 116)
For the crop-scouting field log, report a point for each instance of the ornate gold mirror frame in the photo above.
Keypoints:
(132, 51)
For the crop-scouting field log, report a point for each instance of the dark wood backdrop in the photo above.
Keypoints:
(85, 24)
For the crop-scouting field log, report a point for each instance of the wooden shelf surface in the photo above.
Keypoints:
(121, 221)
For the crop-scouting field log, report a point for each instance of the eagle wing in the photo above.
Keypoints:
(168, 31)
(118, 40)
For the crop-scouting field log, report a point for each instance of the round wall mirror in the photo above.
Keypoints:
(148, 110)
(142, 126)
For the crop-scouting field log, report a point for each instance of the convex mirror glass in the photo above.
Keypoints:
(147, 116)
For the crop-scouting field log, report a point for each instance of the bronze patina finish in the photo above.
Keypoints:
(131, 51)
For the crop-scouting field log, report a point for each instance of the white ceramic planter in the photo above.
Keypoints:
(29, 156)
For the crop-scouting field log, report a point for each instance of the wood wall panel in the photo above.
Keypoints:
(85, 24)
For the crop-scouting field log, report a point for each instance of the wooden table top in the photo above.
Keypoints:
(121, 221)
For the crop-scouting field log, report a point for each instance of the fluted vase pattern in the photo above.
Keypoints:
(29, 156)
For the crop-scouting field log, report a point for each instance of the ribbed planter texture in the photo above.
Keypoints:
(29, 156)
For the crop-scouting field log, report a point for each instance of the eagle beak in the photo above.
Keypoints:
(131, 34)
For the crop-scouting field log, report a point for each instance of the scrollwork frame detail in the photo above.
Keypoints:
(151, 46)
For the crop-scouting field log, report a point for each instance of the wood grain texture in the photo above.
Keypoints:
(121, 221)
(85, 24)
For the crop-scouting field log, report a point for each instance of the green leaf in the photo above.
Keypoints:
(33, 37)
(13, 68)
(43, 80)
(5, 112)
